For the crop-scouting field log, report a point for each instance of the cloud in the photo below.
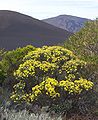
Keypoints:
(47, 8)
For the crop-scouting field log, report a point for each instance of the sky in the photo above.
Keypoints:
(42, 9)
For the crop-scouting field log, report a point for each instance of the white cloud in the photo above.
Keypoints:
(47, 8)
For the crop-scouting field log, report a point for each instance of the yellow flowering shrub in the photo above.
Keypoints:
(73, 65)
(34, 68)
(49, 71)
(77, 86)
(45, 60)
(49, 86)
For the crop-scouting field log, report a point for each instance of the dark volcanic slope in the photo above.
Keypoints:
(17, 30)
(67, 22)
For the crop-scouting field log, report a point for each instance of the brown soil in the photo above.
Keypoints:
(81, 117)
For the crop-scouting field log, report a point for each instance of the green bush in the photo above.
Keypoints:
(84, 44)
(10, 61)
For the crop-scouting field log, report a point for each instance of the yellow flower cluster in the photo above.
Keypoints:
(72, 65)
(47, 65)
(33, 68)
(83, 84)
(46, 52)
(15, 97)
(49, 86)
(77, 86)
(70, 77)
(67, 85)
(43, 60)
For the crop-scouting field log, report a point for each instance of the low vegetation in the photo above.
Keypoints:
(62, 81)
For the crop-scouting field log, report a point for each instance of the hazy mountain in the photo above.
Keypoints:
(17, 30)
(67, 22)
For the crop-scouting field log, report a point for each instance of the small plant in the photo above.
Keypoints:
(24, 115)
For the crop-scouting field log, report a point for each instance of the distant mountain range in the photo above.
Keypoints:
(17, 30)
(67, 22)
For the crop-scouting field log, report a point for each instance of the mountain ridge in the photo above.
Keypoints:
(17, 30)
(67, 22)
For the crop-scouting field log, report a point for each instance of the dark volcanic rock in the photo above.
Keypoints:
(17, 30)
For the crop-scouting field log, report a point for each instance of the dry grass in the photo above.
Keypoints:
(24, 115)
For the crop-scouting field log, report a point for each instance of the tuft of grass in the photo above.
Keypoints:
(25, 115)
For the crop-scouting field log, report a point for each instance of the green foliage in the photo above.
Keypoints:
(2, 77)
(2, 73)
(2, 52)
(85, 42)
(63, 107)
(10, 61)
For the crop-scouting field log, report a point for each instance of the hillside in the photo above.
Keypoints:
(17, 30)
(67, 22)
(84, 43)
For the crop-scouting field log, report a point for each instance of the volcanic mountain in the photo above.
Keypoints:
(67, 22)
(17, 30)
